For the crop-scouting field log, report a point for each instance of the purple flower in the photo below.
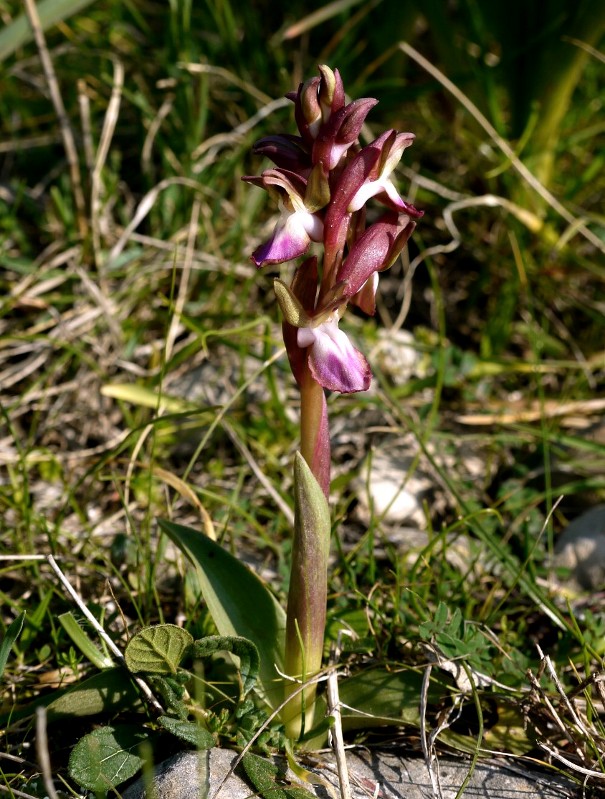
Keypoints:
(286, 151)
(373, 252)
(315, 102)
(340, 132)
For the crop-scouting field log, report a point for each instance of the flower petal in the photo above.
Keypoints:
(340, 132)
(334, 362)
(365, 299)
(286, 151)
(390, 145)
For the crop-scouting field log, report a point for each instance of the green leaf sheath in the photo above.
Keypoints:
(306, 616)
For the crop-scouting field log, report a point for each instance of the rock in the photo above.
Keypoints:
(581, 548)
(394, 484)
(396, 488)
(193, 775)
(398, 355)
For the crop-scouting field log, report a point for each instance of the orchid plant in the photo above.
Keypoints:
(322, 181)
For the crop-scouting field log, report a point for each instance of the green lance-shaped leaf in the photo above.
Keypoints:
(157, 649)
(107, 757)
(12, 633)
(306, 616)
(83, 642)
(238, 601)
(244, 649)
(109, 691)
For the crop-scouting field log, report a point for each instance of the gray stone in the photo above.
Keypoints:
(581, 548)
(396, 489)
(206, 775)
(398, 355)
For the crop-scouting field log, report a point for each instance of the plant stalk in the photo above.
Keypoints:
(314, 432)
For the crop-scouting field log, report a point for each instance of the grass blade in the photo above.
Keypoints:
(50, 12)
(12, 633)
(83, 642)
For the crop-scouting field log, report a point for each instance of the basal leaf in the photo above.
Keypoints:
(239, 602)
(381, 698)
(109, 691)
(157, 649)
(509, 735)
(107, 757)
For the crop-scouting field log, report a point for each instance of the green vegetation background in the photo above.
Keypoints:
(135, 335)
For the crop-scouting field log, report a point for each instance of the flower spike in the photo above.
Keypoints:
(322, 181)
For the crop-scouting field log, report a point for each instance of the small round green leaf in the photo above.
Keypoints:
(158, 649)
(107, 757)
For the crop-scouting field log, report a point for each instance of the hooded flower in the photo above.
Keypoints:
(315, 102)
(375, 250)
(315, 343)
(333, 360)
(286, 151)
(340, 132)
(390, 147)
(296, 227)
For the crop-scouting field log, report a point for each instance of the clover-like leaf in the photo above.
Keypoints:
(264, 776)
(107, 757)
(158, 649)
(188, 731)
(245, 650)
